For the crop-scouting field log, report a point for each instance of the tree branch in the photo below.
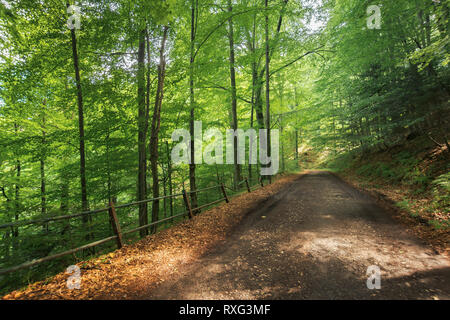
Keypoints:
(216, 86)
(295, 60)
(4, 193)
(218, 26)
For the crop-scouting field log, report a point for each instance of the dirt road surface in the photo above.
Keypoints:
(315, 239)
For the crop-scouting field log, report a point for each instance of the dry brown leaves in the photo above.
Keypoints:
(135, 269)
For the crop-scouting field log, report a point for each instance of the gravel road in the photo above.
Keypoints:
(315, 239)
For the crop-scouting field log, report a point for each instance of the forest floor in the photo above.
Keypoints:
(311, 236)
(126, 273)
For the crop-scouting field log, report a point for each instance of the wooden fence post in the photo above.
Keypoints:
(116, 225)
(246, 183)
(224, 192)
(262, 183)
(188, 205)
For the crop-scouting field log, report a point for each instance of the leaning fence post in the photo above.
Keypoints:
(188, 205)
(224, 192)
(246, 183)
(116, 225)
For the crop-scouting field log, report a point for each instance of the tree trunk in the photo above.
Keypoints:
(6, 237)
(258, 99)
(15, 230)
(192, 182)
(283, 164)
(169, 176)
(237, 167)
(156, 121)
(252, 45)
(64, 200)
(42, 163)
(251, 142)
(267, 83)
(17, 193)
(83, 183)
(142, 135)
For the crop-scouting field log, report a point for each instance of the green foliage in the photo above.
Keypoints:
(406, 206)
(39, 116)
(439, 225)
(441, 191)
(378, 87)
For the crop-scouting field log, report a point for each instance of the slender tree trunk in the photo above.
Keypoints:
(283, 167)
(108, 164)
(252, 45)
(296, 129)
(111, 198)
(237, 166)
(142, 135)
(83, 183)
(251, 142)
(169, 176)
(7, 234)
(267, 82)
(42, 163)
(64, 202)
(258, 99)
(43, 197)
(164, 180)
(192, 182)
(17, 192)
(156, 121)
(15, 230)
(147, 101)
(281, 96)
(43, 191)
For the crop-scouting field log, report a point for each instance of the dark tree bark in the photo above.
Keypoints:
(251, 45)
(258, 98)
(169, 177)
(83, 184)
(267, 84)
(156, 121)
(6, 236)
(42, 167)
(64, 202)
(192, 182)
(283, 164)
(142, 135)
(17, 193)
(237, 167)
(17, 207)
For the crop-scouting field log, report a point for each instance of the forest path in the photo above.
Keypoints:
(314, 239)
